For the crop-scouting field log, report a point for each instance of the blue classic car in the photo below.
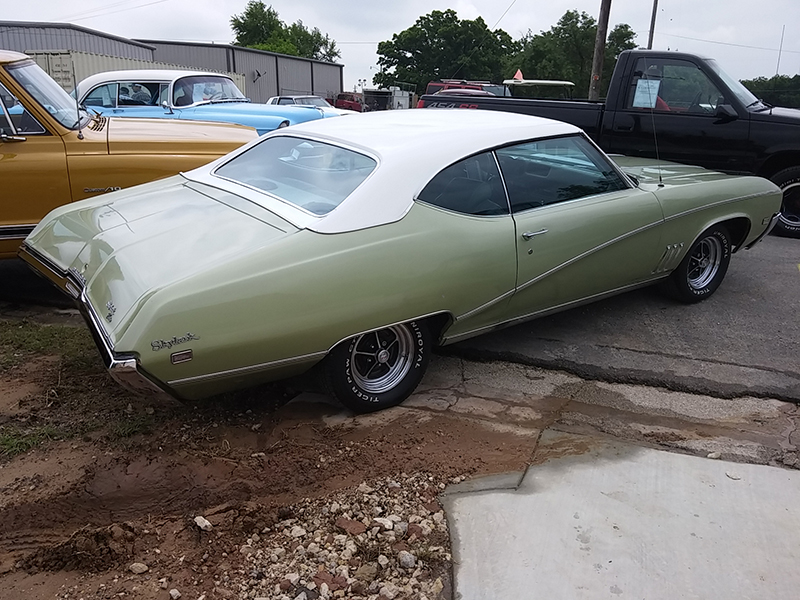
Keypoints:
(192, 95)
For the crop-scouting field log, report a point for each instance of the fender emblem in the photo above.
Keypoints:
(157, 345)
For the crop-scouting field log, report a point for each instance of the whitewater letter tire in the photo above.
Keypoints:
(788, 224)
(703, 268)
(379, 369)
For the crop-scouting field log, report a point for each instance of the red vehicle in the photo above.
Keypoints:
(350, 101)
(493, 89)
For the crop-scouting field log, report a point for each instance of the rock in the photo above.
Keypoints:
(298, 532)
(383, 561)
(406, 559)
(733, 476)
(293, 578)
(350, 526)
(247, 550)
(437, 587)
(389, 591)
(174, 594)
(203, 523)
(713, 455)
(415, 530)
(366, 572)
(365, 489)
(386, 524)
(138, 568)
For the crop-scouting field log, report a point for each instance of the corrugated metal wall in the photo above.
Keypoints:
(261, 74)
(60, 65)
(267, 74)
(327, 80)
(33, 37)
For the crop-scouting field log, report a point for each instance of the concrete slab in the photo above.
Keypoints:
(598, 518)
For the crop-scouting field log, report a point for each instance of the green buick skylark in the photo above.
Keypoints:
(357, 245)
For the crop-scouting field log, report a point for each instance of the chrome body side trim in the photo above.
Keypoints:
(284, 362)
(548, 311)
(715, 204)
(670, 258)
(15, 232)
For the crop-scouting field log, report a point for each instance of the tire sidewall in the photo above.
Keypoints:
(683, 289)
(348, 392)
(784, 179)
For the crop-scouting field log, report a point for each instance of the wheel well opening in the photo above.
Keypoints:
(738, 228)
(437, 324)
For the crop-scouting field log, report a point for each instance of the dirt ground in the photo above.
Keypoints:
(93, 479)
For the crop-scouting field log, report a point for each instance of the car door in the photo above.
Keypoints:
(33, 172)
(582, 229)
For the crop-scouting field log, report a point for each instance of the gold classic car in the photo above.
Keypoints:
(52, 152)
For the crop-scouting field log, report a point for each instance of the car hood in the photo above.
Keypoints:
(777, 114)
(157, 136)
(649, 171)
(249, 113)
(135, 242)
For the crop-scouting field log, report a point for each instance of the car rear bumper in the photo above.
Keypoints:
(123, 368)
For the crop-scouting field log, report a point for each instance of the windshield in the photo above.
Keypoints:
(41, 87)
(312, 100)
(308, 174)
(205, 88)
(744, 95)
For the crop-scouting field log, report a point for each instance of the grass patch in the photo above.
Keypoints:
(18, 441)
(22, 339)
(130, 426)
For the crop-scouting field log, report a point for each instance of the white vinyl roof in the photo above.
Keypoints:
(410, 146)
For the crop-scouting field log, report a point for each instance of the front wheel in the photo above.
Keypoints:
(703, 268)
(379, 369)
(788, 224)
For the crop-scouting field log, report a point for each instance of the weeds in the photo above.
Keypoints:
(16, 441)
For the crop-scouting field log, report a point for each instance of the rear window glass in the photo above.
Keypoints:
(311, 175)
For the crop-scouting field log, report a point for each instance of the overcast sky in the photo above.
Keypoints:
(744, 36)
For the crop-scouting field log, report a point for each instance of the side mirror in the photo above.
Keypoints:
(725, 113)
(166, 107)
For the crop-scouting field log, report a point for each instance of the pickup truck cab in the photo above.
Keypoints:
(52, 152)
(683, 108)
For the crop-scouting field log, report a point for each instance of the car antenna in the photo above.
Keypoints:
(655, 135)
(77, 101)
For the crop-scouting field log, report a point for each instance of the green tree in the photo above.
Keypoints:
(440, 45)
(566, 50)
(260, 27)
(779, 90)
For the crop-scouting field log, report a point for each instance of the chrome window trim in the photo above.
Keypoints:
(13, 232)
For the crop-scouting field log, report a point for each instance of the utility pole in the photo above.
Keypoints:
(652, 25)
(599, 50)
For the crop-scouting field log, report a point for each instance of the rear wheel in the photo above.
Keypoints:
(703, 268)
(379, 369)
(788, 224)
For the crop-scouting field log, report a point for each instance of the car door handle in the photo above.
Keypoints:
(532, 234)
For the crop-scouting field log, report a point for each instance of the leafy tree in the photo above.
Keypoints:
(440, 45)
(260, 27)
(566, 50)
(779, 90)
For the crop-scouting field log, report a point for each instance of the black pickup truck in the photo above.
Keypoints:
(678, 107)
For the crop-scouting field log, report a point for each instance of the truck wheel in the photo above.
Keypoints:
(703, 268)
(788, 224)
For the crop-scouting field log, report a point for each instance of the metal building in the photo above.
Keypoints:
(265, 74)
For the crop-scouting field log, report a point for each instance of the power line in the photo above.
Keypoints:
(683, 37)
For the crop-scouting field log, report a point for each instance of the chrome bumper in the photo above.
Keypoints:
(772, 222)
(123, 368)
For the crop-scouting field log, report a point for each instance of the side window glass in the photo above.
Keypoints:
(471, 186)
(672, 86)
(15, 117)
(163, 93)
(104, 95)
(555, 170)
(135, 93)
